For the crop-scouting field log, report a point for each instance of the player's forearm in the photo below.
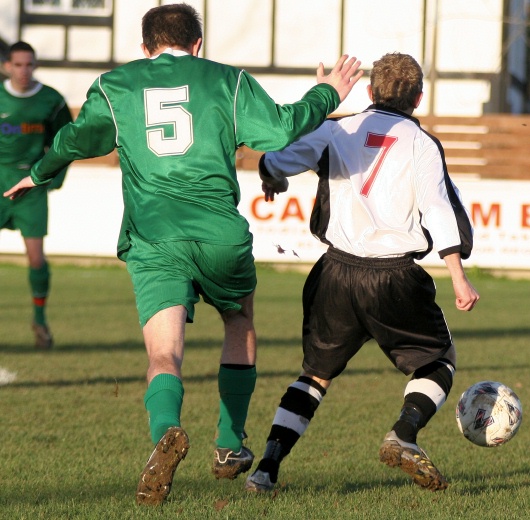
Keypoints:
(264, 125)
(455, 268)
(466, 295)
(47, 169)
(310, 112)
(324, 97)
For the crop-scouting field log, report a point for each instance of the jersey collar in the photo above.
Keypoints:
(174, 52)
(9, 87)
(395, 111)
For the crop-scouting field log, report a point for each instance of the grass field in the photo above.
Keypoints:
(74, 433)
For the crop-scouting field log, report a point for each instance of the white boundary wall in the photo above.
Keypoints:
(85, 218)
(457, 37)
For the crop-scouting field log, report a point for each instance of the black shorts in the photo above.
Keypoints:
(349, 300)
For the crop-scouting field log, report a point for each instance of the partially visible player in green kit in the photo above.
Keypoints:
(30, 115)
(176, 121)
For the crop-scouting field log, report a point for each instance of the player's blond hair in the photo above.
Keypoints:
(396, 80)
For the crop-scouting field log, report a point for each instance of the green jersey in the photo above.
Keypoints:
(176, 122)
(28, 124)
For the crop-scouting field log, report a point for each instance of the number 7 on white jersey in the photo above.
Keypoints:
(376, 141)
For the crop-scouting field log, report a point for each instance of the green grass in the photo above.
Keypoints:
(74, 433)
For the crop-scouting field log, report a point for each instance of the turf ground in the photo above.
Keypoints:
(74, 433)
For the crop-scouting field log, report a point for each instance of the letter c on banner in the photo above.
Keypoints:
(254, 209)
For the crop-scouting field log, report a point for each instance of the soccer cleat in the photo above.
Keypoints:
(259, 482)
(227, 464)
(412, 460)
(43, 336)
(157, 476)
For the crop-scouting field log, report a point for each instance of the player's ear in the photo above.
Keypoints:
(196, 47)
(418, 100)
(370, 92)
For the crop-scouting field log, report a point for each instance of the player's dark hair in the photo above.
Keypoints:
(20, 46)
(396, 80)
(173, 25)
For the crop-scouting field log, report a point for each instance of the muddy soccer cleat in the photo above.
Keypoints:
(43, 336)
(259, 482)
(228, 464)
(157, 476)
(412, 460)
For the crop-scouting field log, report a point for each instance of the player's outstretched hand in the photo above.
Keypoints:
(343, 76)
(20, 189)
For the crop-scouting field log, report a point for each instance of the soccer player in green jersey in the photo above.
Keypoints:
(30, 115)
(176, 121)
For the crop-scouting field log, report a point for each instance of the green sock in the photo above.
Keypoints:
(39, 313)
(235, 390)
(39, 281)
(163, 402)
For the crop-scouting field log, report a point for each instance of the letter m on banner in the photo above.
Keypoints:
(480, 216)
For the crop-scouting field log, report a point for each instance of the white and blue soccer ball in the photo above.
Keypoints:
(489, 414)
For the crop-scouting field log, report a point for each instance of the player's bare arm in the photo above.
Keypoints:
(343, 76)
(466, 295)
(20, 189)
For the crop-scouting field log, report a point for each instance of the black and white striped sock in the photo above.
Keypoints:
(297, 408)
(425, 393)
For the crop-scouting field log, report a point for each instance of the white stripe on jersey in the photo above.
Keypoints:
(235, 100)
(110, 108)
(386, 183)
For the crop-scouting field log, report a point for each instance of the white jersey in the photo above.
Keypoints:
(384, 189)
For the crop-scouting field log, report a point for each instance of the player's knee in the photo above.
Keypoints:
(245, 312)
(234, 315)
(440, 372)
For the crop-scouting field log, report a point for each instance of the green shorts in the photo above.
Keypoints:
(166, 274)
(28, 213)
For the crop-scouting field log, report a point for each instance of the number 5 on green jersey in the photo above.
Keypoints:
(163, 107)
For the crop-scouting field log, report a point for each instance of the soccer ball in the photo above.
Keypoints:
(489, 414)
